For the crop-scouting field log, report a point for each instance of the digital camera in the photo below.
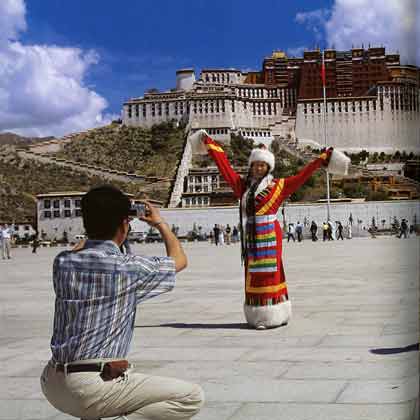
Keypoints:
(137, 210)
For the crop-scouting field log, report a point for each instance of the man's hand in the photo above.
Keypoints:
(80, 245)
(152, 215)
(327, 152)
(172, 244)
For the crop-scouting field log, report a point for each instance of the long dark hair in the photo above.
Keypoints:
(249, 232)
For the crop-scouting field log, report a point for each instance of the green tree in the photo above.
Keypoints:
(239, 149)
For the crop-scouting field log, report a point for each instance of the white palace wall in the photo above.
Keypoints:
(368, 125)
(218, 101)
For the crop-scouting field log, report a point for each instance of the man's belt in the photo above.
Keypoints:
(82, 367)
(109, 370)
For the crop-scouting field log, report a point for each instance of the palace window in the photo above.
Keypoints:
(47, 214)
(47, 204)
(78, 213)
(67, 213)
(56, 213)
(56, 204)
(67, 203)
(78, 202)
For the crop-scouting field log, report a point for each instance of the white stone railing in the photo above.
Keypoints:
(182, 172)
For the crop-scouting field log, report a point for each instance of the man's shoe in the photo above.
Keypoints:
(261, 327)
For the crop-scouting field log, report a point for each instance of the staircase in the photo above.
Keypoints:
(182, 172)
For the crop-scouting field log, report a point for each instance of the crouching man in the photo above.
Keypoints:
(97, 291)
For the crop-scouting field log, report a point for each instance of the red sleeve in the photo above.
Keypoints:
(216, 152)
(293, 183)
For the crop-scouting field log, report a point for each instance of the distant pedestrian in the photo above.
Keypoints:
(6, 241)
(299, 231)
(403, 229)
(325, 230)
(1, 237)
(228, 232)
(222, 235)
(291, 232)
(331, 231)
(314, 229)
(216, 233)
(340, 231)
(35, 243)
(235, 234)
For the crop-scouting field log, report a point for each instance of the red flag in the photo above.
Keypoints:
(323, 74)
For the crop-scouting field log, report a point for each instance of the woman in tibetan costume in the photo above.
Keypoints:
(267, 303)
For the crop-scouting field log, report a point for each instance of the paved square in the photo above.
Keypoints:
(346, 354)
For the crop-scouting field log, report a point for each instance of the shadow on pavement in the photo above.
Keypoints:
(411, 347)
(233, 326)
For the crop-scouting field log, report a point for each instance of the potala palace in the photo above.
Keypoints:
(372, 101)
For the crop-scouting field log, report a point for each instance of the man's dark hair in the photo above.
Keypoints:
(103, 210)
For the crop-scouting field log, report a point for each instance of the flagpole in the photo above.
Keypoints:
(324, 89)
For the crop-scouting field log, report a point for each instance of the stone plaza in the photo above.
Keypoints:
(349, 352)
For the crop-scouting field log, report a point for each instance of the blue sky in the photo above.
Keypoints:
(67, 65)
(142, 43)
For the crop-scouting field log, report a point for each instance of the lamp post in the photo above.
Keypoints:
(324, 90)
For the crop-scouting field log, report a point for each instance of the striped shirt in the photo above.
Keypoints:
(97, 290)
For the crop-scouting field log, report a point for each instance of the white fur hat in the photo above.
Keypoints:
(262, 154)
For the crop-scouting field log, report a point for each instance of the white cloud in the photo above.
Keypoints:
(314, 21)
(42, 90)
(12, 18)
(391, 23)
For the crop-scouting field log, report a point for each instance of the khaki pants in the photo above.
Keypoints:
(86, 395)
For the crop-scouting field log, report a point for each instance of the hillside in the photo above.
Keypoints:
(153, 152)
(21, 181)
(12, 139)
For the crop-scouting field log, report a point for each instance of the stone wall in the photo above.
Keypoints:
(207, 217)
